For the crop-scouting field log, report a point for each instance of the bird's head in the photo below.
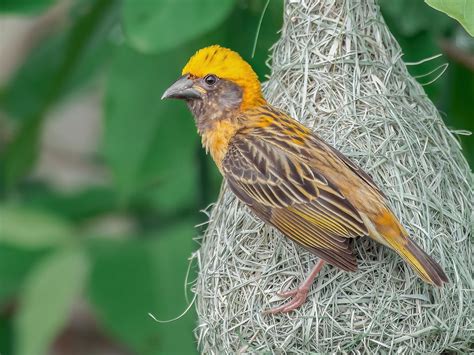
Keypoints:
(216, 81)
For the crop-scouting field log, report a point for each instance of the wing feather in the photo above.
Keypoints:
(292, 195)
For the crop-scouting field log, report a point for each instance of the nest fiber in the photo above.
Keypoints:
(338, 69)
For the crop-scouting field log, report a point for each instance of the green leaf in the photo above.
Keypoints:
(461, 10)
(15, 263)
(29, 228)
(39, 67)
(133, 278)
(149, 144)
(20, 155)
(6, 334)
(50, 291)
(76, 206)
(156, 26)
(24, 6)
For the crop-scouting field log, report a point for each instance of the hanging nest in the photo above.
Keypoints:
(339, 70)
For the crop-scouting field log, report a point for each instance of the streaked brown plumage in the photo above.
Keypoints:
(288, 176)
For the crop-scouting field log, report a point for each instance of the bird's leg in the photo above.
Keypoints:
(299, 294)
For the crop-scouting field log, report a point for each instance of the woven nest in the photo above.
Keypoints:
(339, 70)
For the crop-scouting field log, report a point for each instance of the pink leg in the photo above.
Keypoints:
(299, 294)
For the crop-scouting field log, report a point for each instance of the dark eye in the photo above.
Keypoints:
(210, 79)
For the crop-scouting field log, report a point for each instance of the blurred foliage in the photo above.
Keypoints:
(24, 6)
(50, 256)
(154, 272)
(155, 163)
(43, 306)
(144, 19)
(52, 70)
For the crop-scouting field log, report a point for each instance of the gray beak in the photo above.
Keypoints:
(182, 89)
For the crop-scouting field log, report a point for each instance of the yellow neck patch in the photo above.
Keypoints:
(228, 65)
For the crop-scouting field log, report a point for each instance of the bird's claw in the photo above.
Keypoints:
(299, 297)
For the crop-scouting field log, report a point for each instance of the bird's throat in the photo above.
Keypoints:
(216, 138)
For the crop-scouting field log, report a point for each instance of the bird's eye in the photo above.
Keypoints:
(210, 79)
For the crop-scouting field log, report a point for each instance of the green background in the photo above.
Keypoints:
(53, 262)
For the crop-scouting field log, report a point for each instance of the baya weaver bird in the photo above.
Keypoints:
(286, 174)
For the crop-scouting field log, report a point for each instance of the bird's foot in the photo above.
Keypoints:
(298, 295)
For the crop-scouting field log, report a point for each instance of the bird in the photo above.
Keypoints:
(286, 174)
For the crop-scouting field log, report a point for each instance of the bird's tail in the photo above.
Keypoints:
(424, 265)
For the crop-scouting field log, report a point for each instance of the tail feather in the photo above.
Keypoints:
(426, 267)
(386, 229)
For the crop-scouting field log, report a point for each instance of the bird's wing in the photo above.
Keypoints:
(350, 164)
(293, 196)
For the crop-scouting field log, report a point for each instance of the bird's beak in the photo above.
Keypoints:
(182, 89)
